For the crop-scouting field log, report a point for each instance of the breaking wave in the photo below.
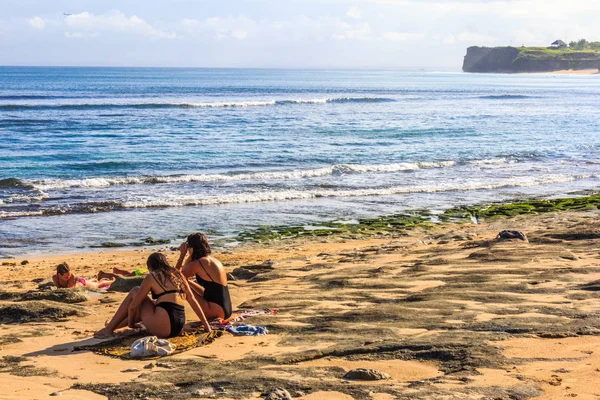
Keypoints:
(338, 169)
(507, 97)
(223, 104)
(282, 195)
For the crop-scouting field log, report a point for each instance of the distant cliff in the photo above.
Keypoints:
(527, 59)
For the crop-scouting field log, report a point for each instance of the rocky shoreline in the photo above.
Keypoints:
(440, 310)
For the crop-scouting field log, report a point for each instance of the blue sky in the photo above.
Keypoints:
(280, 33)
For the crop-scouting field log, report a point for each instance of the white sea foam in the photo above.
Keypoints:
(49, 184)
(229, 104)
(134, 103)
(192, 200)
(25, 199)
(309, 101)
(489, 161)
(282, 195)
(16, 214)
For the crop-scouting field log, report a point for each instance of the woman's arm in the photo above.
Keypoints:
(56, 281)
(196, 288)
(183, 249)
(195, 306)
(189, 269)
(137, 300)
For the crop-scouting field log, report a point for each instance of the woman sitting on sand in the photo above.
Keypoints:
(65, 279)
(211, 290)
(164, 316)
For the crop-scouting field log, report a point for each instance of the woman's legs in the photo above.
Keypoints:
(115, 273)
(155, 319)
(95, 284)
(107, 275)
(125, 321)
(120, 315)
(123, 272)
(105, 283)
(210, 310)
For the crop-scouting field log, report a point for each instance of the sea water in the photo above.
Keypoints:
(93, 155)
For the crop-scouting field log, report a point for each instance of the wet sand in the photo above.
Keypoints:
(447, 311)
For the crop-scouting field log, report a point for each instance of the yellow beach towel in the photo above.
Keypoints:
(121, 347)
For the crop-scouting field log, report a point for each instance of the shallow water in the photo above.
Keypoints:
(90, 155)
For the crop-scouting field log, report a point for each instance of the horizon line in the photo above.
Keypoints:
(448, 69)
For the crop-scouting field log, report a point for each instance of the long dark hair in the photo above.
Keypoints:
(199, 243)
(62, 268)
(159, 265)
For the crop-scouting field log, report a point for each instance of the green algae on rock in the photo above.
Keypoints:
(70, 295)
(535, 206)
(396, 223)
(36, 311)
(400, 223)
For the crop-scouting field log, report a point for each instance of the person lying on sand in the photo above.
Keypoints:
(65, 279)
(116, 272)
(210, 289)
(164, 316)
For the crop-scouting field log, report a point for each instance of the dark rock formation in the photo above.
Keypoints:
(35, 311)
(266, 277)
(250, 272)
(70, 296)
(124, 285)
(278, 394)
(486, 59)
(243, 273)
(363, 374)
(591, 286)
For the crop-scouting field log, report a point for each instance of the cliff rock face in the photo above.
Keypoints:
(513, 60)
(487, 59)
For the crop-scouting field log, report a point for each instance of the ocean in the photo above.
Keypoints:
(93, 155)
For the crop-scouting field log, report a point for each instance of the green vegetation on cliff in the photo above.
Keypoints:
(532, 59)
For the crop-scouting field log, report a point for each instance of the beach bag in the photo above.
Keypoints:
(151, 346)
(508, 234)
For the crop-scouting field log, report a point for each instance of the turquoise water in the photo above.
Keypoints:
(89, 155)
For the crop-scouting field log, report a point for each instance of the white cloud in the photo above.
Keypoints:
(474, 37)
(401, 36)
(555, 9)
(37, 23)
(469, 37)
(222, 27)
(75, 35)
(354, 12)
(450, 39)
(115, 21)
(295, 29)
(241, 35)
(345, 31)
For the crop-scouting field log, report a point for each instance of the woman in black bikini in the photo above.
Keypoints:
(164, 316)
(210, 289)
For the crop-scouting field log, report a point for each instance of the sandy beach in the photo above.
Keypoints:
(447, 311)
(593, 71)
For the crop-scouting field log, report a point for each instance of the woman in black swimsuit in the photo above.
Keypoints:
(210, 289)
(164, 316)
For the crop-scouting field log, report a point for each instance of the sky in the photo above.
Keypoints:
(411, 34)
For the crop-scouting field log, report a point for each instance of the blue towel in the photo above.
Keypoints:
(248, 330)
